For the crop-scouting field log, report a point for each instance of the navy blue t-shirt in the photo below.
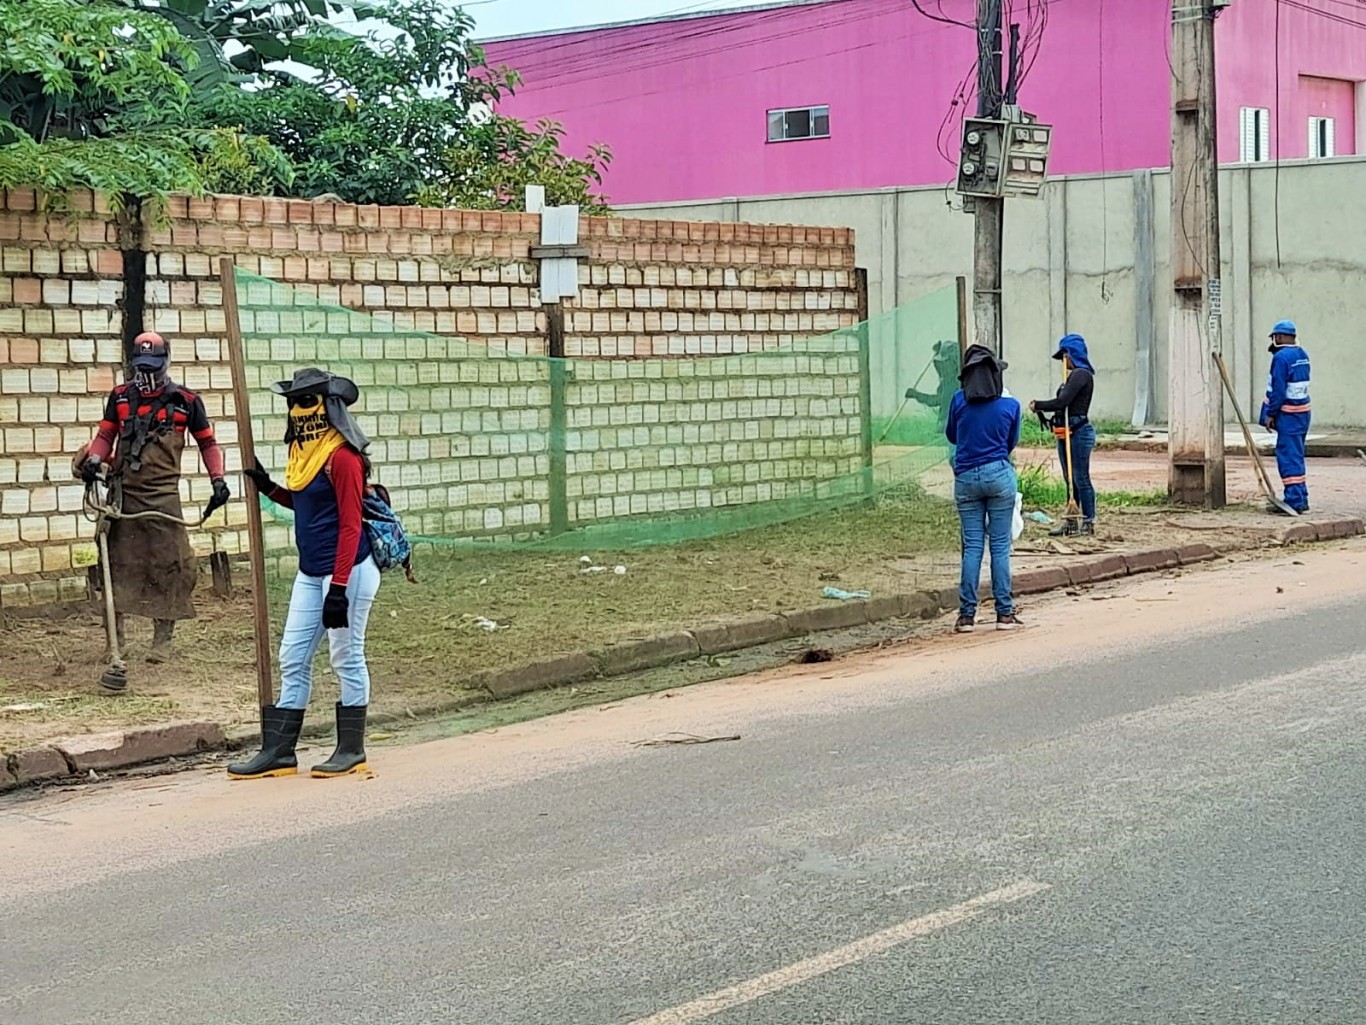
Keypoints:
(984, 432)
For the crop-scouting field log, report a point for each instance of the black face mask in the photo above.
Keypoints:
(149, 381)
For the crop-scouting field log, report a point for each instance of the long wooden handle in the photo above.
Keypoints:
(1263, 481)
(260, 607)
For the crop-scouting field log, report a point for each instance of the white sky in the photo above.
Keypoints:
(510, 17)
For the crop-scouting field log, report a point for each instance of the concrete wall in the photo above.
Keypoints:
(447, 302)
(1076, 260)
(682, 101)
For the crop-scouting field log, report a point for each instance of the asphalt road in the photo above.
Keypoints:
(1144, 809)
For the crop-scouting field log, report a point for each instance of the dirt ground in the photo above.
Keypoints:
(426, 640)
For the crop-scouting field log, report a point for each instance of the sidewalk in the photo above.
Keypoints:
(1323, 445)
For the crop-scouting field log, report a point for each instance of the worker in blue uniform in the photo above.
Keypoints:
(1286, 410)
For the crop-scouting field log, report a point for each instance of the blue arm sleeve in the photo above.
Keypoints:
(1280, 374)
(1015, 427)
(951, 424)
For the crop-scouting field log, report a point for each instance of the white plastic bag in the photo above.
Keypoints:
(1017, 518)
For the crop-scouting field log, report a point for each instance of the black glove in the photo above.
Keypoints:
(90, 470)
(1271, 424)
(334, 608)
(221, 494)
(258, 476)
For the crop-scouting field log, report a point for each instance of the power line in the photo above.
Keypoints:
(741, 72)
(589, 51)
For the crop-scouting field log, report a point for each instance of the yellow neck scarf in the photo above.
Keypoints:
(315, 439)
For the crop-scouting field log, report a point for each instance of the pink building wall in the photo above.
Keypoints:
(1322, 61)
(682, 103)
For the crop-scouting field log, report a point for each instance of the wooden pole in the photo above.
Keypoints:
(988, 213)
(1195, 406)
(260, 609)
(962, 283)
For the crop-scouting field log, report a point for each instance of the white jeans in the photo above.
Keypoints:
(346, 648)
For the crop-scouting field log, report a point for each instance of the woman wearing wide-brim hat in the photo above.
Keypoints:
(325, 480)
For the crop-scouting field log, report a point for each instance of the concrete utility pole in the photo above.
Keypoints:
(988, 213)
(1195, 408)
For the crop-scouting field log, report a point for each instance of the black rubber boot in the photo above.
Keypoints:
(279, 736)
(350, 754)
(163, 633)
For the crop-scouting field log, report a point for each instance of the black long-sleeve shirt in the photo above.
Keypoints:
(1074, 396)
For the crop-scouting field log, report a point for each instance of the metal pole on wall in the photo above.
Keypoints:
(865, 369)
(260, 608)
(559, 418)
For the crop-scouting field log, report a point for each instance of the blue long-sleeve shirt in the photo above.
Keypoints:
(1287, 391)
(984, 432)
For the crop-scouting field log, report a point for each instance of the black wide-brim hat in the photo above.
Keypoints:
(312, 381)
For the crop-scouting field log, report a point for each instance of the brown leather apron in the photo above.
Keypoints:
(151, 561)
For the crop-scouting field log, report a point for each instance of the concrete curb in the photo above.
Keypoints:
(76, 756)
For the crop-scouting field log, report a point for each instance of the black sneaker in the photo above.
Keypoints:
(965, 625)
(1088, 527)
(1008, 622)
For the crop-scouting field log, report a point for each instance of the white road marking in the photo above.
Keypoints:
(859, 950)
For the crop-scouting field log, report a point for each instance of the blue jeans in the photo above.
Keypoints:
(985, 496)
(1083, 444)
(346, 648)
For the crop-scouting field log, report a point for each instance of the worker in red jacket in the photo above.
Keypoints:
(141, 438)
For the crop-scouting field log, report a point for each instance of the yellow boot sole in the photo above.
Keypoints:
(319, 774)
(269, 773)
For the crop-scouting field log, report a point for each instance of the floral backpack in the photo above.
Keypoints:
(389, 544)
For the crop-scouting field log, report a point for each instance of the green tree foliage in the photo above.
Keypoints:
(237, 38)
(405, 118)
(72, 69)
(492, 163)
(191, 95)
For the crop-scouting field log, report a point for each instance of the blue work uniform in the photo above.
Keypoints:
(1286, 411)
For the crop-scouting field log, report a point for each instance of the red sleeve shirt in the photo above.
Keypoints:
(348, 481)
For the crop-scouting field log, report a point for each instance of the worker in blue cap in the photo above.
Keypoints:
(1071, 409)
(1286, 410)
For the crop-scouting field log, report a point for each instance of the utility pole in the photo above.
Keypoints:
(1195, 409)
(988, 213)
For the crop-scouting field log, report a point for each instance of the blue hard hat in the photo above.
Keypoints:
(1284, 327)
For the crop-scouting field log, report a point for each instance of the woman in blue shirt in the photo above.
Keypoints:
(984, 425)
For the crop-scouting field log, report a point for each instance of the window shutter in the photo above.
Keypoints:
(1264, 135)
(1330, 143)
(1246, 135)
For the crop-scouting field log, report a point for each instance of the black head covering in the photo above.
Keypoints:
(981, 374)
(337, 393)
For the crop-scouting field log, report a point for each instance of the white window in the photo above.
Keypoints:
(798, 123)
(1321, 142)
(1254, 135)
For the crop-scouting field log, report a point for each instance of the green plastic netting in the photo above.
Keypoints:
(479, 443)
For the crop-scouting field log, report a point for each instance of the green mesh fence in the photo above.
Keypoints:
(479, 443)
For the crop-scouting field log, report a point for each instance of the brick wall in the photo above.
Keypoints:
(462, 438)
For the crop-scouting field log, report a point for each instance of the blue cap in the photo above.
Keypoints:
(1284, 327)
